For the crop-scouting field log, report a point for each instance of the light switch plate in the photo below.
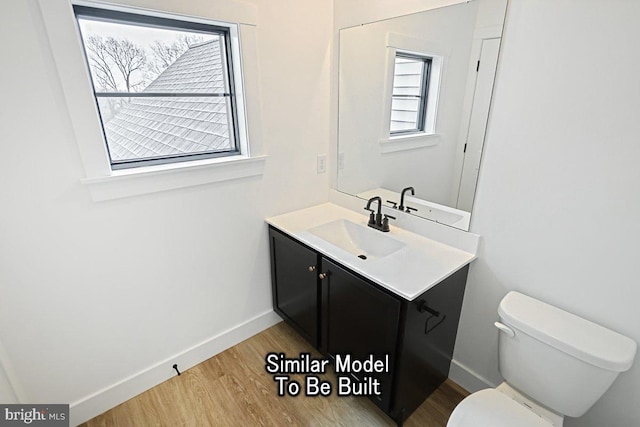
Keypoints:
(322, 163)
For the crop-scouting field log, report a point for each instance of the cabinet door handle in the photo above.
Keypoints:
(312, 268)
(322, 276)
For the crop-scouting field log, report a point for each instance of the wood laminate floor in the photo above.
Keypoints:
(233, 389)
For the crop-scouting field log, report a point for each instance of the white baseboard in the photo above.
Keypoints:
(468, 379)
(115, 394)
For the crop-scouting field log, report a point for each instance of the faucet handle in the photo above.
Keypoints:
(395, 204)
(409, 209)
(372, 216)
(385, 222)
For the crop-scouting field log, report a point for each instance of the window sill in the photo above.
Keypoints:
(409, 142)
(153, 179)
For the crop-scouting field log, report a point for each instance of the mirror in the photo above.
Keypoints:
(444, 104)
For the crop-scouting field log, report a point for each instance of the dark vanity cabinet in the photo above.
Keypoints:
(341, 312)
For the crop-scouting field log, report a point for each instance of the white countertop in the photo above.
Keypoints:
(408, 272)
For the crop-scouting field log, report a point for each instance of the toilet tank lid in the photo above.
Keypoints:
(567, 332)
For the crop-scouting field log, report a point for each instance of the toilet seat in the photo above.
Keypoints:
(492, 408)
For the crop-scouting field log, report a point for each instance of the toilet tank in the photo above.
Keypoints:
(563, 361)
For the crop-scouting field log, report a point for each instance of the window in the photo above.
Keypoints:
(409, 96)
(164, 87)
(238, 110)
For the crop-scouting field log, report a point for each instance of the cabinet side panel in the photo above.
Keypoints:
(428, 340)
(294, 285)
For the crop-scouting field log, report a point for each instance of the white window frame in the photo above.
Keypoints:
(399, 43)
(104, 183)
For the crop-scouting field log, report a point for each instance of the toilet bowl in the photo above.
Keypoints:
(554, 363)
(502, 407)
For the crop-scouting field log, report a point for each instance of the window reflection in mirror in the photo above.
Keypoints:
(409, 96)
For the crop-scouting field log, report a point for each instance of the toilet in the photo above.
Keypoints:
(554, 364)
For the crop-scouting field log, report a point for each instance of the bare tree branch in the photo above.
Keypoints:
(109, 55)
(127, 57)
(99, 61)
(165, 54)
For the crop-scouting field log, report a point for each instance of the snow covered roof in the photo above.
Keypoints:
(160, 126)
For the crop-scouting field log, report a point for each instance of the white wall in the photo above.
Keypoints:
(93, 293)
(558, 204)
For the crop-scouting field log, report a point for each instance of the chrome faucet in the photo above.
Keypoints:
(376, 220)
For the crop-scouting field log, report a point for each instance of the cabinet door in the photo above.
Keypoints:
(359, 320)
(294, 284)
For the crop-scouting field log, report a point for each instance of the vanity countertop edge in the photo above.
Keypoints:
(408, 273)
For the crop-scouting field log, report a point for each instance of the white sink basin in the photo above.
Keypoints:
(359, 240)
